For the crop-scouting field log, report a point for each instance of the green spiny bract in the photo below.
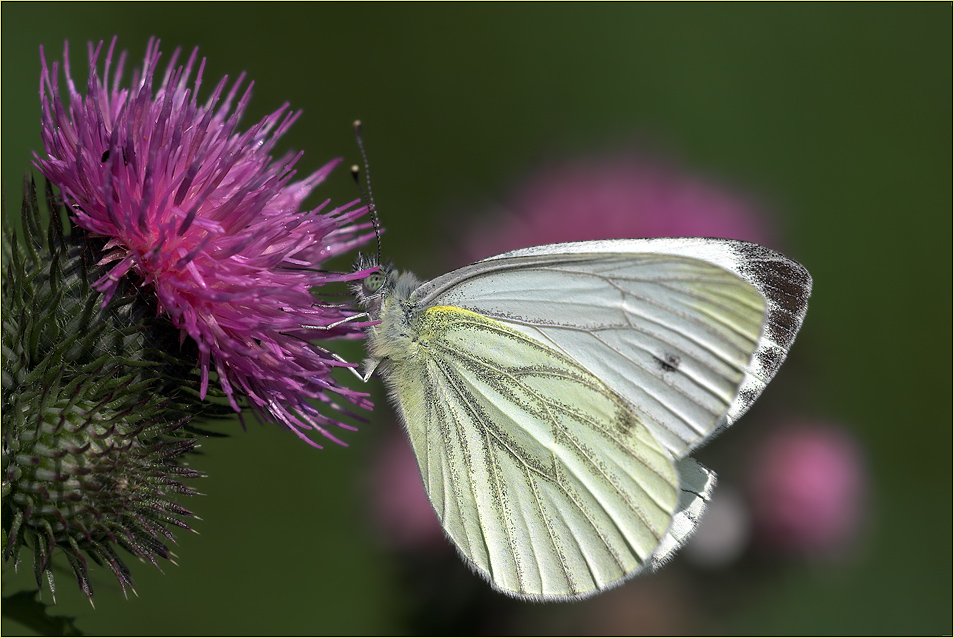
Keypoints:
(97, 404)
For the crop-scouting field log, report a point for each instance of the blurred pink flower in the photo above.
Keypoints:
(400, 506)
(614, 196)
(808, 490)
(201, 213)
(724, 532)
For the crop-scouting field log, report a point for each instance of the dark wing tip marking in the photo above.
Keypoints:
(786, 286)
(782, 280)
(782, 326)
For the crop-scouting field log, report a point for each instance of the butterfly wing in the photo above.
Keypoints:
(688, 331)
(545, 479)
(519, 370)
(696, 483)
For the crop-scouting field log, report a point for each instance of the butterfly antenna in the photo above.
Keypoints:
(369, 196)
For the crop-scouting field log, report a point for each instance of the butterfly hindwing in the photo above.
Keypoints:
(696, 483)
(544, 479)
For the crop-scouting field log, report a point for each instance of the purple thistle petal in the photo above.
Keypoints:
(203, 214)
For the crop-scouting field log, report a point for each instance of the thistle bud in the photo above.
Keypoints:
(97, 404)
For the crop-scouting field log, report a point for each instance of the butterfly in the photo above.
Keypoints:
(552, 395)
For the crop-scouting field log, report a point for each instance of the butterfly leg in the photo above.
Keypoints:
(360, 315)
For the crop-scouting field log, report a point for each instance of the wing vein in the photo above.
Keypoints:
(539, 397)
(466, 400)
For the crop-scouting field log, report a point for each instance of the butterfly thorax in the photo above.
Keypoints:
(387, 296)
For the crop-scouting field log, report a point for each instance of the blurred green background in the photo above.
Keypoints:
(839, 115)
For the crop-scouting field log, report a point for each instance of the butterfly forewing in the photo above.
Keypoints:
(545, 479)
(688, 331)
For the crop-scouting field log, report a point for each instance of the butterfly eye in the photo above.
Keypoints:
(373, 282)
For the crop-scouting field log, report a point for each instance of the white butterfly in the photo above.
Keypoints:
(552, 395)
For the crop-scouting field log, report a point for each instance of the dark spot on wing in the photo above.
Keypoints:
(625, 421)
(105, 155)
(669, 363)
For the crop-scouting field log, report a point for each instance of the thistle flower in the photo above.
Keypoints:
(95, 420)
(203, 215)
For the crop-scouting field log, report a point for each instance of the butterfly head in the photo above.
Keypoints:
(375, 286)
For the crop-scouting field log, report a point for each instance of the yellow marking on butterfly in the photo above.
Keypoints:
(454, 310)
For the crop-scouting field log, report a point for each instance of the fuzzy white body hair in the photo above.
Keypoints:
(395, 346)
(393, 339)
